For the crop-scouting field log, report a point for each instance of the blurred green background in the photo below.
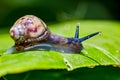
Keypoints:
(58, 10)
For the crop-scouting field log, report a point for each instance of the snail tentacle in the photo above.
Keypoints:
(77, 31)
(88, 36)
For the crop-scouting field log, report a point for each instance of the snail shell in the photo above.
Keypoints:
(27, 29)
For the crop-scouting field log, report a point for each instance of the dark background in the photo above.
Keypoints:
(58, 10)
(97, 73)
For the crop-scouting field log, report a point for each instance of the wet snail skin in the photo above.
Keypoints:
(31, 33)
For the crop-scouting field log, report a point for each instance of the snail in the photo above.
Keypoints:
(31, 33)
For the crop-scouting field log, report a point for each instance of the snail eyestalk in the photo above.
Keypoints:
(88, 36)
(77, 31)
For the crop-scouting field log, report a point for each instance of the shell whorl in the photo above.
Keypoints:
(29, 28)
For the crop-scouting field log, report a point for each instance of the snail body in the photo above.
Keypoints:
(31, 33)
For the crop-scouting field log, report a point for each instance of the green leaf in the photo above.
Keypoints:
(99, 50)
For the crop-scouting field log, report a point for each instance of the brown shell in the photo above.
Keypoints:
(29, 28)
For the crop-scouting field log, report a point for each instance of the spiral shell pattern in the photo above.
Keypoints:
(29, 28)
